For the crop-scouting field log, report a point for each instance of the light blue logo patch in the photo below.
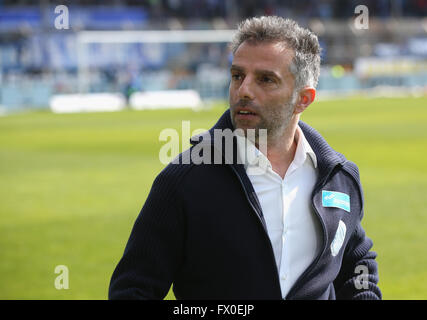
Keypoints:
(336, 200)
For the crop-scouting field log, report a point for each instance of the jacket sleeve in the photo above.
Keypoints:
(154, 250)
(358, 278)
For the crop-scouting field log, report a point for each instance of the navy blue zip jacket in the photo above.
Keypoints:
(202, 230)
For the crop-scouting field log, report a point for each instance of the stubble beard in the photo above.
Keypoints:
(273, 122)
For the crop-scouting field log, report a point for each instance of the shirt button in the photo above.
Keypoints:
(284, 277)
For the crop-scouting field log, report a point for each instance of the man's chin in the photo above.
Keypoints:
(245, 128)
(250, 131)
(245, 123)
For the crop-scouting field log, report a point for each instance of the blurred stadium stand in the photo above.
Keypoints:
(38, 61)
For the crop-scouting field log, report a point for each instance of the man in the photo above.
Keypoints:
(227, 231)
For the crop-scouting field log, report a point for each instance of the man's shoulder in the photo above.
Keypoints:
(352, 169)
(177, 169)
(324, 152)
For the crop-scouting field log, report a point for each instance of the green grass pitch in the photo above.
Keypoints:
(72, 186)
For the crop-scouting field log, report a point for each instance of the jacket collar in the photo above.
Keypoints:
(327, 158)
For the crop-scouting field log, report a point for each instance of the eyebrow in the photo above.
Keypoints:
(257, 71)
(236, 68)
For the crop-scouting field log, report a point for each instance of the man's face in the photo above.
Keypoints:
(261, 87)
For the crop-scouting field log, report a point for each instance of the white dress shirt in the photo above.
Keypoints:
(293, 228)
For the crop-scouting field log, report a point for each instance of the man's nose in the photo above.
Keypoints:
(246, 89)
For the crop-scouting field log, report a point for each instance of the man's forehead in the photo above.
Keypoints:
(274, 54)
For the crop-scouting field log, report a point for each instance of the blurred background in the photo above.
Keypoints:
(74, 174)
(38, 61)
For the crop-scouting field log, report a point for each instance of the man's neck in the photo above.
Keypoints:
(281, 150)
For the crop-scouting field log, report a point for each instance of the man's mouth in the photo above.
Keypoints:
(245, 113)
(242, 112)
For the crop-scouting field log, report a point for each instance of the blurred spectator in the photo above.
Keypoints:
(33, 52)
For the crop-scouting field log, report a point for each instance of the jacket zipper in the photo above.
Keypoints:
(299, 282)
(263, 226)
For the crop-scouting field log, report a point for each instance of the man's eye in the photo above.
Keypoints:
(236, 76)
(267, 80)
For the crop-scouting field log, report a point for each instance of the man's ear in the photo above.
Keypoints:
(305, 97)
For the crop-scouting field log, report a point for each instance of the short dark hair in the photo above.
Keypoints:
(305, 65)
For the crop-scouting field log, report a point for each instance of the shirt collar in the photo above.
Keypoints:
(303, 148)
(252, 155)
